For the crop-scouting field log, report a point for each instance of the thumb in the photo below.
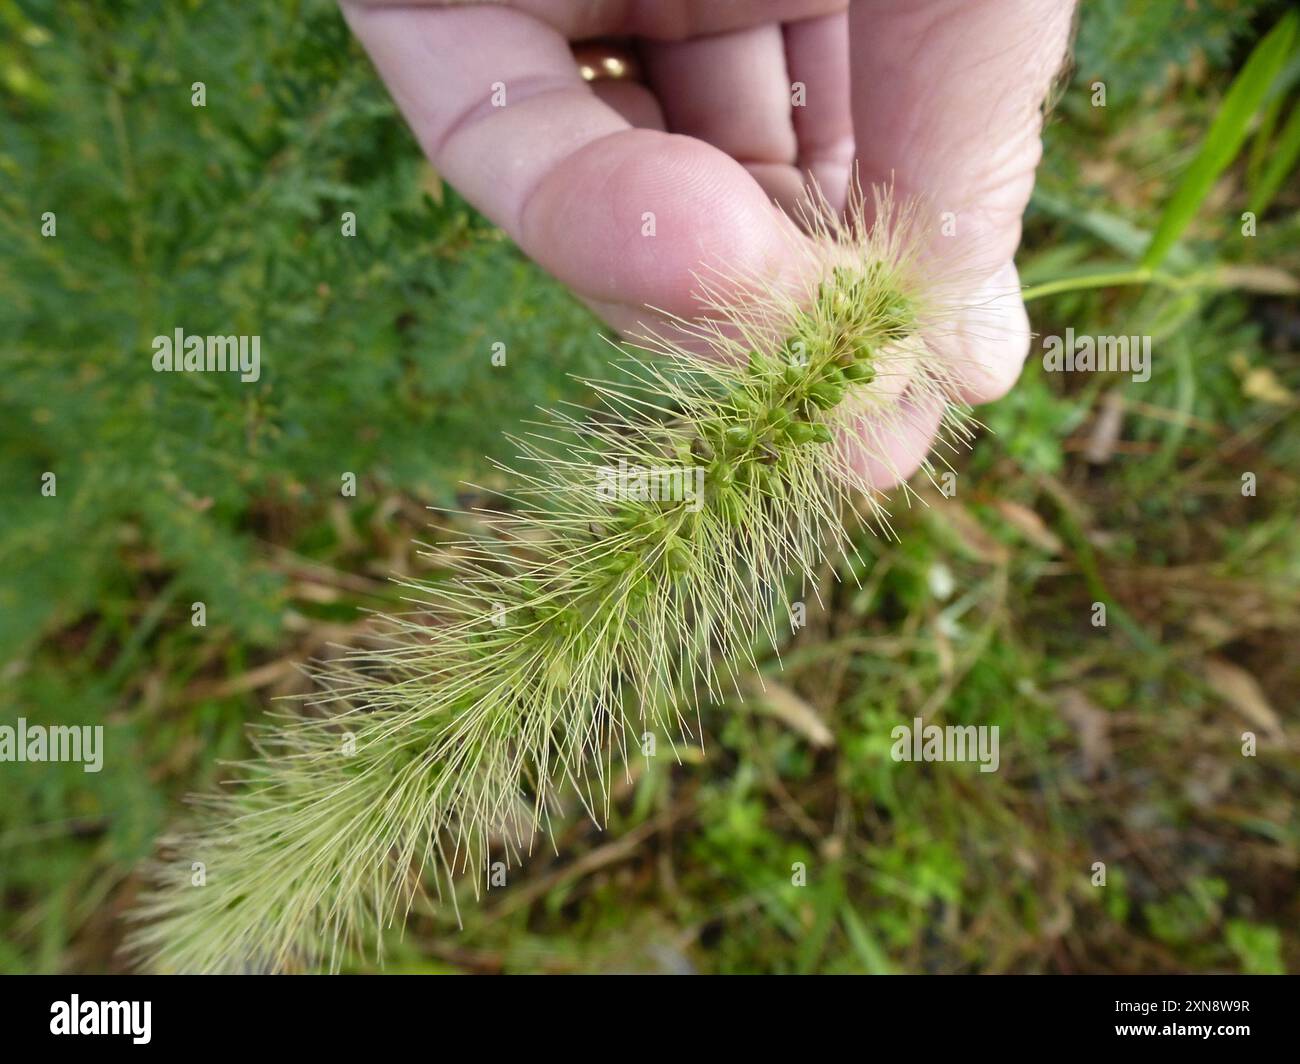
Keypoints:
(947, 106)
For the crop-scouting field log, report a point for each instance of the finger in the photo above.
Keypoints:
(657, 19)
(634, 103)
(817, 56)
(880, 453)
(947, 102)
(623, 216)
(731, 90)
(988, 340)
(947, 105)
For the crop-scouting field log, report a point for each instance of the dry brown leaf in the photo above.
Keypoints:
(1030, 525)
(1212, 627)
(971, 536)
(1259, 279)
(779, 701)
(1262, 383)
(1240, 690)
(1106, 429)
(1092, 725)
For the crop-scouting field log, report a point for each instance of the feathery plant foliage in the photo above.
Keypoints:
(580, 615)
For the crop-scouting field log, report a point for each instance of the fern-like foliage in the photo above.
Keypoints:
(594, 603)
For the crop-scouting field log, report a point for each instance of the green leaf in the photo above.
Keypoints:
(1227, 133)
(1285, 152)
(873, 958)
(1257, 946)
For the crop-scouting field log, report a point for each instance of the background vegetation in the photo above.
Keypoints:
(1119, 744)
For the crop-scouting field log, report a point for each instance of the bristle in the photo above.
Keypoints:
(588, 614)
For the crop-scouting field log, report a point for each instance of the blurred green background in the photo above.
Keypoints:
(1120, 744)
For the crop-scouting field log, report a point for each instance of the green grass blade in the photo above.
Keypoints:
(873, 958)
(1261, 141)
(1226, 135)
(1286, 151)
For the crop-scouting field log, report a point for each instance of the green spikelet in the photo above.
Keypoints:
(641, 555)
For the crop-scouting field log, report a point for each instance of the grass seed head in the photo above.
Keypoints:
(586, 614)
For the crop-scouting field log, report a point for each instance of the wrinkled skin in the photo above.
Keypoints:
(940, 97)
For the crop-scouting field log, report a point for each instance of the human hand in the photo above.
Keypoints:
(943, 103)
